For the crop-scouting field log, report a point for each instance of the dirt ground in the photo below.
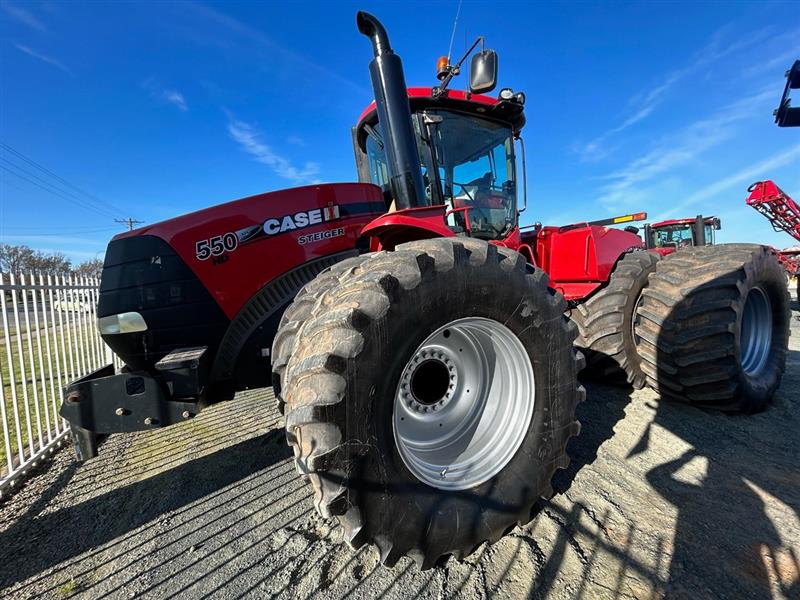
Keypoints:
(660, 500)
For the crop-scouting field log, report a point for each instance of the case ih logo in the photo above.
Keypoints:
(302, 219)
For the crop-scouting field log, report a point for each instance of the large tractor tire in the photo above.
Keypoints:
(605, 322)
(714, 327)
(295, 315)
(430, 395)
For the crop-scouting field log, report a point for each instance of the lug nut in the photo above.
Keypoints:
(148, 421)
(186, 414)
(119, 412)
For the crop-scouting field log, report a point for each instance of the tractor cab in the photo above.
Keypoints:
(467, 151)
(436, 148)
(682, 233)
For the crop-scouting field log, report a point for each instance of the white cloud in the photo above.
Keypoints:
(23, 16)
(776, 64)
(44, 58)
(757, 172)
(278, 53)
(171, 96)
(296, 140)
(175, 98)
(679, 149)
(249, 139)
(645, 103)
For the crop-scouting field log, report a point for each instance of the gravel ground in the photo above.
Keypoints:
(660, 500)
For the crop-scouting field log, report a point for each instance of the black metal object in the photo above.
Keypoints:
(785, 115)
(144, 274)
(649, 237)
(483, 72)
(699, 232)
(394, 116)
(103, 402)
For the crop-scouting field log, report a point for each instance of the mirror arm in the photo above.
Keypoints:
(453, 70)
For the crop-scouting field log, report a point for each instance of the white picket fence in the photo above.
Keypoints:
(48, 337)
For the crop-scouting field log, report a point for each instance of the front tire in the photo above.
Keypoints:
(425, 307)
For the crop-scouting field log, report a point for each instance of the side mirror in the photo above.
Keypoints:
(483, 72)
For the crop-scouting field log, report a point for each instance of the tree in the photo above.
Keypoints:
(50, 264)
(15, 259)
(89, 268)
(23, 259)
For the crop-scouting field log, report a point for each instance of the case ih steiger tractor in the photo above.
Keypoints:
(672, 234)
(423, 345)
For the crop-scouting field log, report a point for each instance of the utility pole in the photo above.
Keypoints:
(129, 222)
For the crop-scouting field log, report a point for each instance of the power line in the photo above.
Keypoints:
(66, 194)
(129, 222)
(94, 199)
(46, 189)
(23, 232)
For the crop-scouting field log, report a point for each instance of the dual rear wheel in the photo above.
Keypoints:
(706, 325)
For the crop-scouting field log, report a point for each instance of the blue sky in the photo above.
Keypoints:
(157, 109)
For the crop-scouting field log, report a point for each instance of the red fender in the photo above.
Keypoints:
(406, 225)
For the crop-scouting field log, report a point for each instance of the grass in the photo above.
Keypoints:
(68, 588)
(50, 392)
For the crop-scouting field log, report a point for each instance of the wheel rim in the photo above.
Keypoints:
(756, 336)
(463, 403)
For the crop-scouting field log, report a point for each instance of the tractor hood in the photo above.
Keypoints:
(190, 276)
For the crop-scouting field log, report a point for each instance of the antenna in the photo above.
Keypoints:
(453, 33)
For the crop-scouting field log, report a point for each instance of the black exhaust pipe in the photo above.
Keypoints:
(394, 116)
(700, 231)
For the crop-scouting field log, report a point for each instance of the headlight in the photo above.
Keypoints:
(506, 94)
(129, 322)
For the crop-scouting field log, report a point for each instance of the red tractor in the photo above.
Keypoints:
(423, 345)
(667, 236)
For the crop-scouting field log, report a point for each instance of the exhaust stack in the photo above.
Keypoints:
(394, 115)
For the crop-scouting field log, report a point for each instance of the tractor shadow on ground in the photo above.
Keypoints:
(728, 536)
(66, 540)
(726, 519)
(598, 419)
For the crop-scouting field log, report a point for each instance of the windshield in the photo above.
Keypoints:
(674, 236)
(474, 172)
(475, 162)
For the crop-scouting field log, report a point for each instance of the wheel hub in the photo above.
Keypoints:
(463, 403)
(429, 380)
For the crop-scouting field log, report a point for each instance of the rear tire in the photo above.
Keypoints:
(345, 397)
(714, 327)
(605, 322)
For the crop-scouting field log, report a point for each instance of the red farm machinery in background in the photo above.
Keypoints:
(667, 236)
(783, 213)
(424, 349)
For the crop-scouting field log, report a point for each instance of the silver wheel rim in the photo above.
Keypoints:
(756, 334)
(463, 404)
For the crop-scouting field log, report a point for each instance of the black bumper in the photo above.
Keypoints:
(103, 402)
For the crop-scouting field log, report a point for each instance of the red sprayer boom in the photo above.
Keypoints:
(783, 214)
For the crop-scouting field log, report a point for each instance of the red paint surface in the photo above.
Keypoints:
(251, 265)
